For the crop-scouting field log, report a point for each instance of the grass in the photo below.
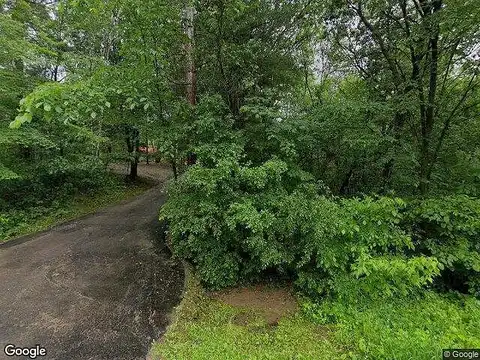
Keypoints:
(403, 328)
(204, 328)
(73, 208)
(395, 329)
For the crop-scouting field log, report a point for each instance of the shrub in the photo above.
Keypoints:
(357, 249)
(448, 228)
(221, 218)
(235, 222)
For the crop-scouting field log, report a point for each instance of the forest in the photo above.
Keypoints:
(335, 146)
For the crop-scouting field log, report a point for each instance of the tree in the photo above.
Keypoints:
(422, 55)
(243, 48)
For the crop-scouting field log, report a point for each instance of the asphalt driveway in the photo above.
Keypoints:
(101, 287)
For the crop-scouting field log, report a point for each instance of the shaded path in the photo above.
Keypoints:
(100, 287)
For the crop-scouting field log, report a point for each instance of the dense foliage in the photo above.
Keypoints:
(355, 178)
(66, 111)
(243, 220)
(336, 143)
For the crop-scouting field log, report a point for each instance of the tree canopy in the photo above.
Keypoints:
(336, 143)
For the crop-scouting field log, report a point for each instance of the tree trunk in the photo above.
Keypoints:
(189, 48)
(148, 151)
(134, 169)
(387, 171)
(345, 187)
(174, 168)
(133, 141)
(427, 112)
(191, 75)
(424, 173)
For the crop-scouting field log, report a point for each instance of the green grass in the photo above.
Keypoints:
(396, 329)
(204, 328)
(33, 221)
(403, 328)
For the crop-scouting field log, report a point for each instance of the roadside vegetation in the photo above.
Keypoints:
(260, 322)
(332, 145)
(22, 218)
(207, 326)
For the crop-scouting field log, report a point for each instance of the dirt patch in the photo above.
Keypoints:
(271, 303)
(243, 318)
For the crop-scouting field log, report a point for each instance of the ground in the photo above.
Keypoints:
(99, 287)
(264, 322)
(270, 303)
(254, 322)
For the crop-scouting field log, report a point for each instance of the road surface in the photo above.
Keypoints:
(100, 287)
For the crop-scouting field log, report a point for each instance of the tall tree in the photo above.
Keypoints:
(245, 47)
(420, 56)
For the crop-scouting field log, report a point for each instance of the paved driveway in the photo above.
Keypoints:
(101, 287)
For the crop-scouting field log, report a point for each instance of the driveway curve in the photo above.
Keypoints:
(100, 287)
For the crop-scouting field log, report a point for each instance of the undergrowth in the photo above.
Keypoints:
(18, 222)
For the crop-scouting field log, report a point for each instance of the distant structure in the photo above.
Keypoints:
(150, 149)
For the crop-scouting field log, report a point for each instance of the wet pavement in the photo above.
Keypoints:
(100, 287)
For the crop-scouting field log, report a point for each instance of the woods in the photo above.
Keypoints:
(336, 144)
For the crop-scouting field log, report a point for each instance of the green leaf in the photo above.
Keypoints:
(15, 124)
(20, 120)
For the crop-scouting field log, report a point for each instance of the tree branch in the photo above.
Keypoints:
(379, 40)
(447, 122)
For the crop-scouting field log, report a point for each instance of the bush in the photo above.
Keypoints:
(220, 217)
(49, 188)
(448, 229)
(53, 180)
(235, 222)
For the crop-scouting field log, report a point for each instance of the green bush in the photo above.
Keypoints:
(448, 229)
(221, 218)
(49, 188)
(52, 180)
(236, 222)
(356, 245)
